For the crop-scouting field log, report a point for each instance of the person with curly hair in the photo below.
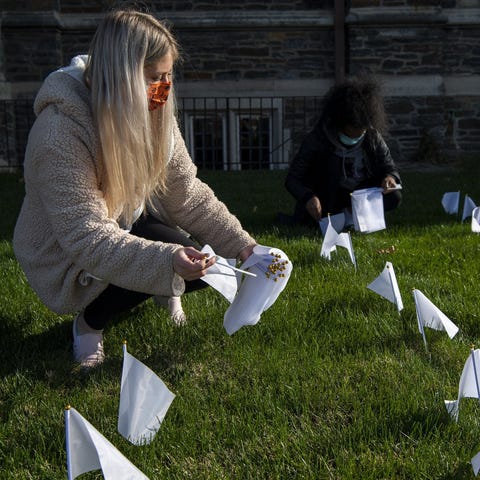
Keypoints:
(344, 152)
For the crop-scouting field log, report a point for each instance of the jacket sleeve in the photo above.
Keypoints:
(64, 175)
(298, 176)
(385, 164)
(192, 205)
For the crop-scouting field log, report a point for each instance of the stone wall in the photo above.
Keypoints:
(425, 52)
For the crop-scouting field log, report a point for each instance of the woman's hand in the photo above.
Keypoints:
(191, 264)
(388, 183)
(314, 208)
(246, 252)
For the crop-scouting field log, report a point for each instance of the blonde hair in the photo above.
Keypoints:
(135, 143)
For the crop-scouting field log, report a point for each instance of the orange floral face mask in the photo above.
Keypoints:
(157, 94)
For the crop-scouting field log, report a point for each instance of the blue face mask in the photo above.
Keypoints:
(349, 141)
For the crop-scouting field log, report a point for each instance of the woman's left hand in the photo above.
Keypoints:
(246, 252)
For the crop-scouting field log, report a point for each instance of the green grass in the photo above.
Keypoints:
(331, 384)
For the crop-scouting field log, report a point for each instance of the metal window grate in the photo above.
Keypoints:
(222, 133)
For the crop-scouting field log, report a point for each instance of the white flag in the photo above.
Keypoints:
(428, 315)
(332, 239)
(220, 275)
(345, 240)
(476, 220)
(144, 401)
(89, 450)
(386, 285)
(450, 201)
(469, 383)
(329, 240)
(272, 269)
(337, 221)
(468, 207)
(476, 463)
(367, 210)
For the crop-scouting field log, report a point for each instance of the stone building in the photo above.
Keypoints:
(254, 72)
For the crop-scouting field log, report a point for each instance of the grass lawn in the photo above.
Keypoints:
(331, 384)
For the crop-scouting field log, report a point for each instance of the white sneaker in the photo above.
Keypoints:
(174, 305)
(88, 347)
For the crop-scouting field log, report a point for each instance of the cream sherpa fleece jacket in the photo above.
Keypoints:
(64, 235)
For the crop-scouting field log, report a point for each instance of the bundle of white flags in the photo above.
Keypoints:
(367, 210)
(469, 385)
(254, 288)
(386, 285)
(88, 450)
(428, 315)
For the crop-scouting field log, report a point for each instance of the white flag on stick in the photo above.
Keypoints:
(337, 221)
(476, 220)
(468, 207)
(476, 463)
(428, 315)
(367, 210)
(345, 240)
(221, 275)
(386, 285)
(332, 239)
(469, 385)
(329, 243)
(450, 201)
(88, 450)
(144, 401)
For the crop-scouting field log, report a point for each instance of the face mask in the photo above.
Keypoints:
(348, 141)
(157, 94)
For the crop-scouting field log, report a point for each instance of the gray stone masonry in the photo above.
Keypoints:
(425, 52)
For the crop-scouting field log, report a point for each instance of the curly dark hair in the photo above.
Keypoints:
(357, 102)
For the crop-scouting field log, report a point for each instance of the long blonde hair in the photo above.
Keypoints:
(135, 143)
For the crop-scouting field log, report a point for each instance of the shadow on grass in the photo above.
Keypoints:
(48, 357)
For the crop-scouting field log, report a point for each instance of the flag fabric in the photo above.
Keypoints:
(329, 240)
(367, 210)
(332, 239)
(476, 463)
(468, 207)
(450, 201)
(144, 401)
(386, 286)
(428, 315)
(345, 240)
(256, 294)
(476, 220)
(220, 276)
(88, 450)
(469, 385)
(337, 221)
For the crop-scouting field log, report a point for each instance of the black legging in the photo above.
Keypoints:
(113, 299)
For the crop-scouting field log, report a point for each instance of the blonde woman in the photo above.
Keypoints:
(108, 181)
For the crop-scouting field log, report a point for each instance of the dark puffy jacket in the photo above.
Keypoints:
(318, 170)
